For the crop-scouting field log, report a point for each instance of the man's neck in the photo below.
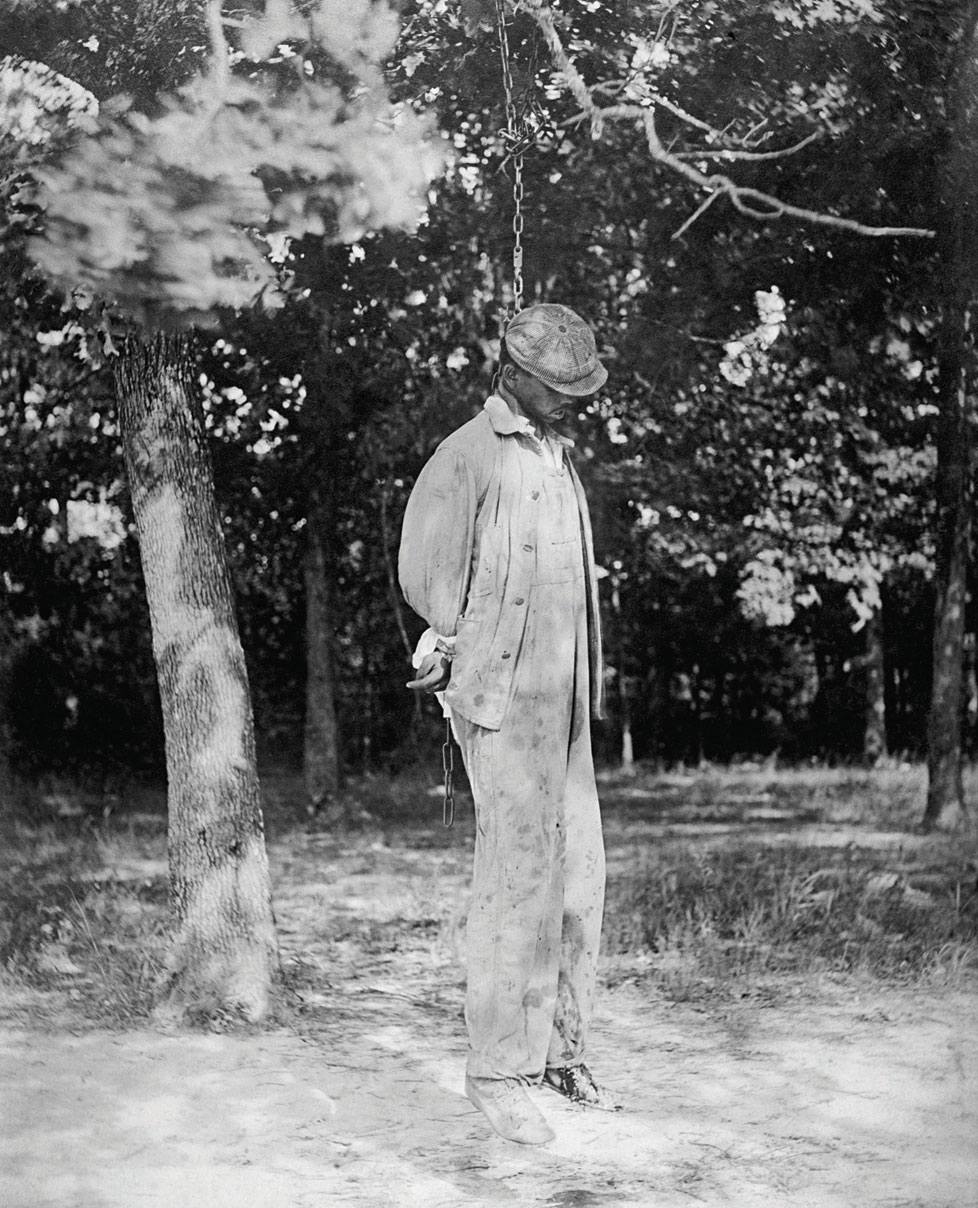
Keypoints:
(539, 430)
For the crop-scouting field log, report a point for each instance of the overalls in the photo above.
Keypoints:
(538, 876)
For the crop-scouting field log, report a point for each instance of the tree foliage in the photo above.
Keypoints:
(762, 482)
(171, 214)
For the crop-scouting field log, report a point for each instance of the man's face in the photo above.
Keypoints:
(541, 404)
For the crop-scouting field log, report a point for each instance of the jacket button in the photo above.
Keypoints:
(506, 654)
(528, 548)
(519, 600)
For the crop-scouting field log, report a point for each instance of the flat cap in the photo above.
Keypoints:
(555, 344)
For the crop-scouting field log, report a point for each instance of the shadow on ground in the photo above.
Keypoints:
(824, 1095)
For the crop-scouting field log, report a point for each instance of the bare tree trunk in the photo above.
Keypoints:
(945, 790)
(390, 569)
(224, 953)
(654, 703)
(367, 742)
(970, 687)
(955, 431)
(624, 701)
(321, 747)
(874, 737)
(696, 704)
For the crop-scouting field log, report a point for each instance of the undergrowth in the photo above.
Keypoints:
(721, 898)
(69, 925)
(698, 918)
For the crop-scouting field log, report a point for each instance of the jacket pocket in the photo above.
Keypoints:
(488, 568)
(467, 661)
(559, 562)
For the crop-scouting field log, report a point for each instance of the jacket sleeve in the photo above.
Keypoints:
(435, 559)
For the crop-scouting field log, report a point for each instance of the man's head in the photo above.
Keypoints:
(547, 358)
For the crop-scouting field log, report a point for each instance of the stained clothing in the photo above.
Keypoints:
(470, 552)
(497, 551)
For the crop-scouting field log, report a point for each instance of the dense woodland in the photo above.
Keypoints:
(766, 210)
(768, 528)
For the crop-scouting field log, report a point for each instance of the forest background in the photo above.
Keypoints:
(762, 466)
(253, 265)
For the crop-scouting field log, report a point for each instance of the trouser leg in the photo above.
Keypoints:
(583, 906)
(513, 935)
(534, 925)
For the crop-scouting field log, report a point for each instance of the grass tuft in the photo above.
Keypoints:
(698, 918)
(729, 882)
(70, 925)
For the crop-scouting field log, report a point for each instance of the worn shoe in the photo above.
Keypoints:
(575, 1082)
(508, 1108)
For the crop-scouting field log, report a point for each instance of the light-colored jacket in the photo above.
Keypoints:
(466, 561)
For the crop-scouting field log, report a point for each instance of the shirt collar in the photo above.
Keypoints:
(505, 422)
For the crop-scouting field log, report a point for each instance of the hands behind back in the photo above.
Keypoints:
(433, 674)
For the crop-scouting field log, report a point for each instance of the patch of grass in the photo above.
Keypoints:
(724, 898)
(67, 926)
(890, 797)
(122, 935)
(383, 936)
(365, 802)
(887, 798)
(698, 919)
(39, 876)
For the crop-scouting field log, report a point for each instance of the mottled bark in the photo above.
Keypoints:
(958, 232)
(945, 791)
(874, 735)
(970, 687)
(321, 746)
(223, 955)
(621, 681)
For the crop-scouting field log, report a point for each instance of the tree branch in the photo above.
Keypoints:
(730, 153)
(701, 209)
(752, 202)
(220, 51)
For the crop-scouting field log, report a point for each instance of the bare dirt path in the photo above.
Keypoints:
(845, 1099)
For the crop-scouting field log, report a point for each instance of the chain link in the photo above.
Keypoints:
(514, 146)
(448, 766)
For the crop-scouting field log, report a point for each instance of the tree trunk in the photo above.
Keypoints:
(8, 781)
(390, 569)
(874, 737)
(621, 680)
(945, 790)
(224, 952)
(321, 747)
(955, 428)
(970, 689)
(654, 707)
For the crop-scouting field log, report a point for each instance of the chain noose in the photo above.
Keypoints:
(448, 767)
(514, 147)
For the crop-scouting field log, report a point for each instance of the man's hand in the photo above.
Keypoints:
(433, 674)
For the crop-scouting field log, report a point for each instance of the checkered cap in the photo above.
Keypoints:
(557, 346)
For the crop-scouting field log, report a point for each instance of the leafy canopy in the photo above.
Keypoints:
(172, 213)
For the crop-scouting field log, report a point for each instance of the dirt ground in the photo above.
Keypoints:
(845, 1098)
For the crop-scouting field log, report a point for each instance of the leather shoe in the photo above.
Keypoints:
(508, 1108)
(576, 1083)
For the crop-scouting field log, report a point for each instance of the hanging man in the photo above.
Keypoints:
(496, 555)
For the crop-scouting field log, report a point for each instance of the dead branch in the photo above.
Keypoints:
(731, 153)
(220, 51)
(701, 209)
(752, 202)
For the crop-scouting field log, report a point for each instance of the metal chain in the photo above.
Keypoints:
(514, 147)
(448, 765)
(514, 150)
